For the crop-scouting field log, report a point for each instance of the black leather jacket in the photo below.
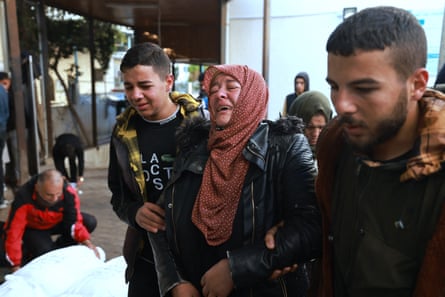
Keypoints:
(278, 186)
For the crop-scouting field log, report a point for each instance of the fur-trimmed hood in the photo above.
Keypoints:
(194, 131)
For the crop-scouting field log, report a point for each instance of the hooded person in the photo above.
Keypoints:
(301, 84)
(314, 108)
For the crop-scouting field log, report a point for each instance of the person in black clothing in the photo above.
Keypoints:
(142, 152)
(70, 146)
(301, 84)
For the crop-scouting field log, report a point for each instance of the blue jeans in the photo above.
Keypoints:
(3, 136)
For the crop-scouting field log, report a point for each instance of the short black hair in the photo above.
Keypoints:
(4, 75)
(378, 28)
(147, 54)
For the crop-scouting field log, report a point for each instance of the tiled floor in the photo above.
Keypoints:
(95, 199)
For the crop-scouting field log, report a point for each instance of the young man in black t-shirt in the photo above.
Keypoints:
(142, 151)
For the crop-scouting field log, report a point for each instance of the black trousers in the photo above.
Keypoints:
(3, 137)
(144, 282)
(59, 163)
(38, 242)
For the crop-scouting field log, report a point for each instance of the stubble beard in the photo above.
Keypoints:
(385, 130)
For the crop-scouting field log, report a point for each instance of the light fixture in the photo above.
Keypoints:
(150, 36)
(170, 52)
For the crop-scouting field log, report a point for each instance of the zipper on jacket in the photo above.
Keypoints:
(173, 218)
(255, 153)
(283, 287)
(252, 202)
(251, 292)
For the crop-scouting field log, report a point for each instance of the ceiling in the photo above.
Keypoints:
(190, 27)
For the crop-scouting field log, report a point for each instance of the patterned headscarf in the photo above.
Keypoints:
(225, 171)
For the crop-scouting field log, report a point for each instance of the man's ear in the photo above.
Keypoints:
(169, 79)
(419, 82)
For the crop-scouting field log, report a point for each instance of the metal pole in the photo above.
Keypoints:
(159, 24)
(224, 55)
(33, 133)
(46, 91)
(442, 45)
(93, 81)
(14, 53)
(266, 32)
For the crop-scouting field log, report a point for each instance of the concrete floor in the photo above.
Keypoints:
(95, 199)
